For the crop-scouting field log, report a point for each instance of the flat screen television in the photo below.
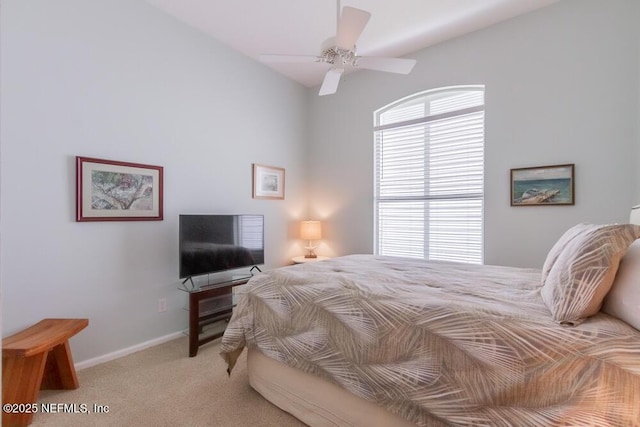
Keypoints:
(215, 243)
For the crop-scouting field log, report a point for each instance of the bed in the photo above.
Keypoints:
(365, 340)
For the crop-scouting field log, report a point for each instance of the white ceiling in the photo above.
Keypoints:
(298, 27)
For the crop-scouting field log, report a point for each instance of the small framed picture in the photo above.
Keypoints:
(543, 185)
(108, 190)
(268, 182)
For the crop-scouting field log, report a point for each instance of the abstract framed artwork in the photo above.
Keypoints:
(108, 190)
(543, 185)
(268, 182)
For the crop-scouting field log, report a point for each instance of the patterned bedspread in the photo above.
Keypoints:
(442, 343)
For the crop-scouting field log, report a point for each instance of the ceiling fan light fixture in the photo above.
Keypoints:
(337, 56)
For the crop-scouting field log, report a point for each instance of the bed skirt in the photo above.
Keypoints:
(314, 401)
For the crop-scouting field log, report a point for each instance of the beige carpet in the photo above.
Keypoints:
(162, 386)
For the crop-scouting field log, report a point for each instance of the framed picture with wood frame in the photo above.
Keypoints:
(109, 190)
(543, 186)
(268, 182)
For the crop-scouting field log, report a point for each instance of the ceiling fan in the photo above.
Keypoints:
(340, 52)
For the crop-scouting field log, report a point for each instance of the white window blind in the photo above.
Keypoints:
(429, 176)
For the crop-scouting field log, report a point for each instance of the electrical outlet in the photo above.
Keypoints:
(162, 305)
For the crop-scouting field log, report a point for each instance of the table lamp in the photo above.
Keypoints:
(310, 230)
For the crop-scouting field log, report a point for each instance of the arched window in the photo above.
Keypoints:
(429, 175)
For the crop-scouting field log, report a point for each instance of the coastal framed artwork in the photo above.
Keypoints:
(268, 182)
(108, 190)
(543, 186)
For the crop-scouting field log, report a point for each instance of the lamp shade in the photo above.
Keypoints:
(310, 230)
(634, 218)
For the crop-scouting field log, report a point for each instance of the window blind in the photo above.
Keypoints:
(429, 176)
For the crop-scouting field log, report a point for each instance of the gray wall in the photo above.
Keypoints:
(561, 87)
(637, 175)
(118, 79)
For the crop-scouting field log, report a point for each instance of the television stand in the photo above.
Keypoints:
(209, 305)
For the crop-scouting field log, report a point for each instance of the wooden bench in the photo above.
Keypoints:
(36, 358)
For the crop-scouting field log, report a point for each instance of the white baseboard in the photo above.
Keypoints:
(126, 351)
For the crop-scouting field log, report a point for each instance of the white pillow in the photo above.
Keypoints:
(584, 271)
(623, 300)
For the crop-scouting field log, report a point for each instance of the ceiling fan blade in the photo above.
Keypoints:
(351, 25)
(330, 82)
(390, 65)
(288, 58)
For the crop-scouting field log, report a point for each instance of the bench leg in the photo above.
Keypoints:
(59, 372)
(21, 379)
